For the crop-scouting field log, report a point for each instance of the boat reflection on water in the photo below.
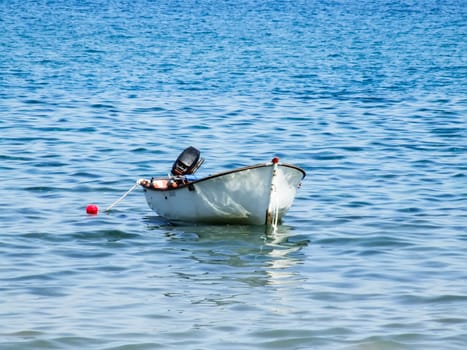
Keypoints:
(255, 255)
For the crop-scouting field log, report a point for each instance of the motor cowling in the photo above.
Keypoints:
(187, 162)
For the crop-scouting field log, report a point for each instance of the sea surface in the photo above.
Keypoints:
(368, 97)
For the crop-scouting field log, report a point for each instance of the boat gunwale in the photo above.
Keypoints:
(223, 173)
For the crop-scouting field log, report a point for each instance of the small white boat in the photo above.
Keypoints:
(259, 194)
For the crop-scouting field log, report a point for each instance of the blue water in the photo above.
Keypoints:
(369, 97)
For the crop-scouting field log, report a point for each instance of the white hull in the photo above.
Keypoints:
(259, 194)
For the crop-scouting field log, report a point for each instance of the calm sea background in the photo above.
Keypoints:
(369, 97)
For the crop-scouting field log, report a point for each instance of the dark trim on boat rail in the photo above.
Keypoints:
(209, 177)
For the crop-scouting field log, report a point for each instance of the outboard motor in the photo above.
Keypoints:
(187, 162)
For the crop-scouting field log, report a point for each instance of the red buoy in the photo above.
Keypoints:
(275, 160)
(92, 209)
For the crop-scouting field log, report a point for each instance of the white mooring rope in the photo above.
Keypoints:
(122, 197)
(273, 198)
(275, 209)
